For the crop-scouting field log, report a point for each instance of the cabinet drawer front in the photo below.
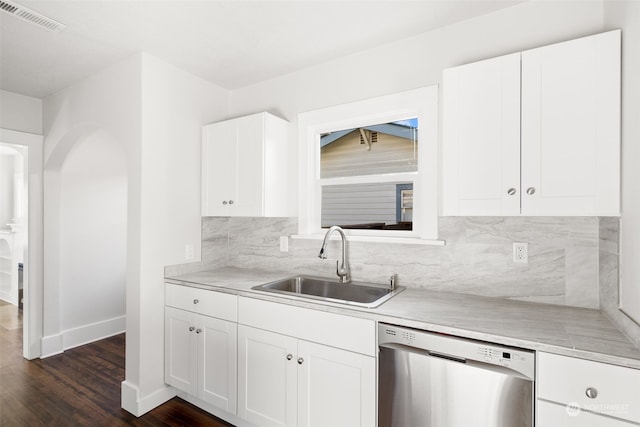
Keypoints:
(566, 380)
(336, 330)
(210, 303)
(555, 414)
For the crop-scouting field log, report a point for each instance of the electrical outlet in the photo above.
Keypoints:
(520, 253)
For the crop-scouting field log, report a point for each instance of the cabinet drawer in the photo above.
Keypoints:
(566, 380)
(210, 303)
(336, 330)
(556, 414)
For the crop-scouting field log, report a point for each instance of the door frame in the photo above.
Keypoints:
(33, 257)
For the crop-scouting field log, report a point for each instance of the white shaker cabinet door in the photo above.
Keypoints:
(181, 370)
(219, 168)
(248, 199)
(481, 138)
(267, 376)
(571, 127)
(217, 363)
(335, 387)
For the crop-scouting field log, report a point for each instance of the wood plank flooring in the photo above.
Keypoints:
(80, 387)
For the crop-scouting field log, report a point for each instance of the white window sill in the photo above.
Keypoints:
(373, 239)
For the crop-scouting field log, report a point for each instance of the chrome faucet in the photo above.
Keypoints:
(342, 270)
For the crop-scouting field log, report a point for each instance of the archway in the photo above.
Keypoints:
(85, 239)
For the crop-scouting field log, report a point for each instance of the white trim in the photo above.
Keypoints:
(376, 239)
(131, 401)
(33, 261)
(421, 103)
(86, 334)
(371, 179)
(51, 345)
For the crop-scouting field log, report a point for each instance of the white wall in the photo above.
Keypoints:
(21, 113)
(175, 106)
(419, 61)
(93, 238)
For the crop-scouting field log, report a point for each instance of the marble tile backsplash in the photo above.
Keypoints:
(609, 261)
(563, 268)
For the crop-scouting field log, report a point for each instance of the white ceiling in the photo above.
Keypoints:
(232, 43)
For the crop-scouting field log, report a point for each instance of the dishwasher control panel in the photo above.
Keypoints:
(457, 348)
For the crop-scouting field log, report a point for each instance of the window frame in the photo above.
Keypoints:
(421, 103)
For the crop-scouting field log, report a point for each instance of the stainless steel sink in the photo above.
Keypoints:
(354, 293)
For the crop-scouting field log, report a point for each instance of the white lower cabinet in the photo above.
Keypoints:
(284, 381)
(201, 357)
(576, 392)
(562, 415)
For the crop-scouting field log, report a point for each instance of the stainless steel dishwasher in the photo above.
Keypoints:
(435, 380)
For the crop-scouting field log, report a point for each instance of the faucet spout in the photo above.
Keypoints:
(342, 267)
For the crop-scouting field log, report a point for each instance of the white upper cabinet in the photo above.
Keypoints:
(246, 167)
(535, 133)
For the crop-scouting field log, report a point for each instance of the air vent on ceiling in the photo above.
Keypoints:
(31, 16)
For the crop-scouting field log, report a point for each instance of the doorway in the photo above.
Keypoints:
(13, 233)
(26, 209)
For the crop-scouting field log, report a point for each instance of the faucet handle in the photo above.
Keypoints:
(392, 281)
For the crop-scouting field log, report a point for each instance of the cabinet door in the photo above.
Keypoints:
(180, 345)
(219, 168)
(267, 388)
(571, 127)
(555, 414)
(249, 191)
(217, 363)
(481, 138)
(335, 387)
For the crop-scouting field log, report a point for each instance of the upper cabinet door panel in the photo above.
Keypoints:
(571, 127)
(481, 138)
(219, 164)
(249, 168)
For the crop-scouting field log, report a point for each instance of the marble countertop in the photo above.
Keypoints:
(577, 332)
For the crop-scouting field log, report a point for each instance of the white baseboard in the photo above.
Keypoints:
(9, 297)
(70, 338)
(93, 332)
(51, 345)
(133, 403)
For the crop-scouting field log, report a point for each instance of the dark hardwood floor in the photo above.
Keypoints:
(80, 387)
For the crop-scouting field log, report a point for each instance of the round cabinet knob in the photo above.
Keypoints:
(531, 190)
(300, 360)
(289, 356)
(192, 328)
(224, 202)
(198, 330)
(195, 301)
(591, 393)
(511, 191)
(230, 202)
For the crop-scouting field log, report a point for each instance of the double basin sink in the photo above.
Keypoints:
(353, 293)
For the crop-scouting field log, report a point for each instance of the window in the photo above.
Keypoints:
(371, 167)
